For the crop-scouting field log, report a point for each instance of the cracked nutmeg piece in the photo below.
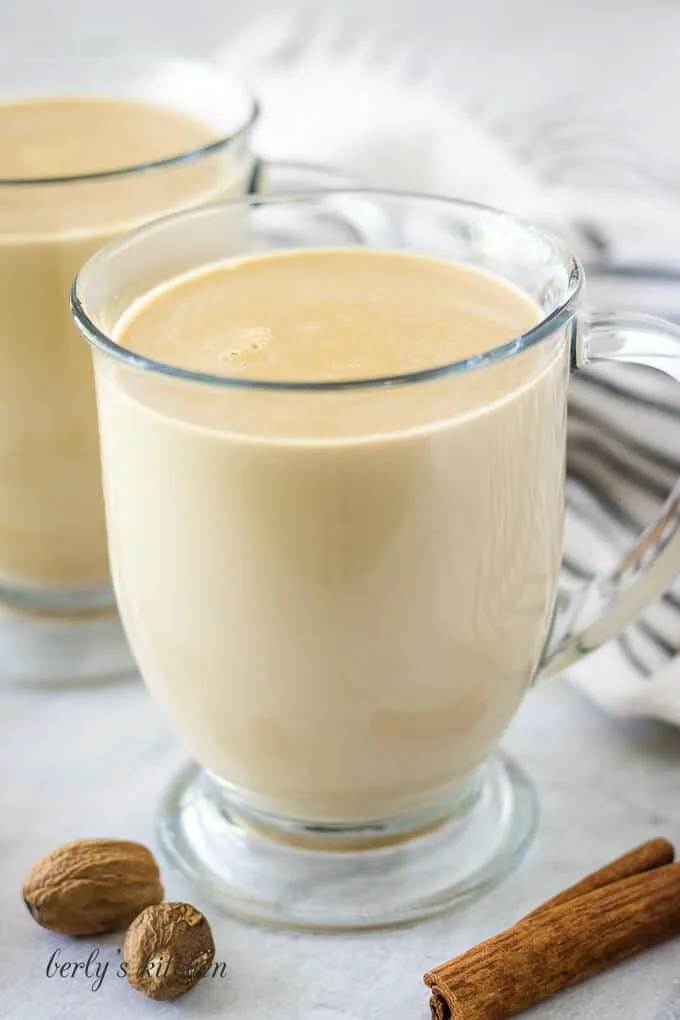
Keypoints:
(92, 886)
(167, 950)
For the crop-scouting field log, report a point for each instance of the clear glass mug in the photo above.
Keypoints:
(340, 591)
(57, 613)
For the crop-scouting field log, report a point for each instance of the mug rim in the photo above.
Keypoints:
(550, 323)
(223, 141)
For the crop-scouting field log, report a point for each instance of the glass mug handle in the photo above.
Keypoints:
(585, 618)
(267, 176)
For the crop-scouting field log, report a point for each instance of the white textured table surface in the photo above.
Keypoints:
(94, 762)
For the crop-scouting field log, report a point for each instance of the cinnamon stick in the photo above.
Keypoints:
(652, 854)
(554, 949)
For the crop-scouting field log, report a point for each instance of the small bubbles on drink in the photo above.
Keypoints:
(245, 343)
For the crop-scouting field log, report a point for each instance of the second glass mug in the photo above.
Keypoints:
(57, 613)
(310, 655)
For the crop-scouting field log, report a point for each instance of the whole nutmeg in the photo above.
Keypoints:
(92, 886)
(167, 949)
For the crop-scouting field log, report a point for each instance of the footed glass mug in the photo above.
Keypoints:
(339, 591)
(88, 150)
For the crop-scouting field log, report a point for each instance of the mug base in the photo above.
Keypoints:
(345, 878)
(60, 651)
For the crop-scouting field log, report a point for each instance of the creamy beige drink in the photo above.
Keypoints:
(51, 515)
(338, 597)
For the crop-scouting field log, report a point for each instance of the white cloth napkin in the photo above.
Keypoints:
(385, 120)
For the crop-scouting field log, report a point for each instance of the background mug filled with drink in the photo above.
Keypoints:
(88, 149)
(333, 433)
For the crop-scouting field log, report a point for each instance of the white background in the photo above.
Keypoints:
(622, 51)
